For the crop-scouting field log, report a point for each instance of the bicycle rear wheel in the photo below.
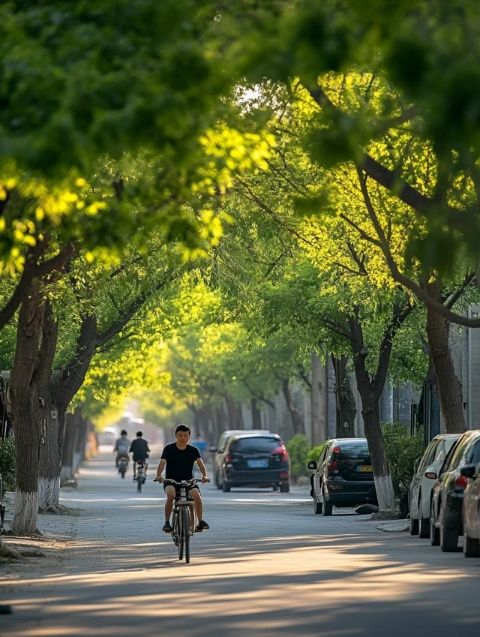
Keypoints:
(139, 484)
(186, 532)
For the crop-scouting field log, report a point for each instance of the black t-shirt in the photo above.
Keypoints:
(180, 463)
(139, 448)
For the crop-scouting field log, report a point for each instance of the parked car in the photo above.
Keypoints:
(422, 482)
(471, 511)
(255, 460)
(342, 475)
(446, 522)
(219, 450)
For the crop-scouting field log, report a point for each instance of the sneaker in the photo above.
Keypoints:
(167, 527)
(134, 478)
(201, 526)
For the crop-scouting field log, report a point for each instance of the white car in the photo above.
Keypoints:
(426, 473)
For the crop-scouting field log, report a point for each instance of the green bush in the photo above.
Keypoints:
(7, 463)
(401, 450)
(298, 447)
(314, 453)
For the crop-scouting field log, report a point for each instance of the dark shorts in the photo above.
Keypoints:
(140, 459)
(195, 486)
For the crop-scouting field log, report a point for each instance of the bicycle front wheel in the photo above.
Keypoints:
(186, 532)
(179, 531)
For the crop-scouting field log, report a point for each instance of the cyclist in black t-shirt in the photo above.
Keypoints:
(179, 457)
(140, 450)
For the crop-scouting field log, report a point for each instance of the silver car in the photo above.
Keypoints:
(427, 470)
(471, 511)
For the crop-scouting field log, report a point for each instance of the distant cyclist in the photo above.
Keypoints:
(122, 445)
(140, 450)
(179, 457)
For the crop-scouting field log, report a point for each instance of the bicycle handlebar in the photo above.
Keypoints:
(182, 483)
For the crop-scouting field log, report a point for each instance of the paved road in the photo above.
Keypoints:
(268, 567)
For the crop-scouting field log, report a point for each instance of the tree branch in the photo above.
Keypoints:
(420, 292)
(392, 180)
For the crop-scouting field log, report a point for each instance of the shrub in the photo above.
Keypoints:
(401, 450)
(314, 453)
(7, 463)
(297, 450)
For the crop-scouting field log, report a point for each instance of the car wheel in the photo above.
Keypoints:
(218, 484)
(413, 526)
(424, 528)
(284, 487)
(471, 546)
(434, 532)
(448, 538)
(275, 487)
(225, 486)
(326, 505)
(317, 506)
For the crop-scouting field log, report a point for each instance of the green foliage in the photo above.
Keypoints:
(7, 463)
(402, 450)
(81, 79)
(297, 449)
(314, 453)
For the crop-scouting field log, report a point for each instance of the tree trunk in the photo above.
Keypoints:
(256, 418)
(374, 436)
(81, 439)
(68, 452)
(345, 401)
(25, 408)
(48, 480)
(319, 401)
(297, 420)
(370, 391)
(449, 388)
(220, 420)
(234, 411)
(27, 440)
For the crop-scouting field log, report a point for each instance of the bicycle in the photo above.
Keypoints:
(183, 516)
(140, 477)
(122, 465)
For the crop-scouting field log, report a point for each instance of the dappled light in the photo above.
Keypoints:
(237, 217)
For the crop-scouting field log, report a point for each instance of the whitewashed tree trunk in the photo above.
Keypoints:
(26, 511)
(385, 493)
(48, 492)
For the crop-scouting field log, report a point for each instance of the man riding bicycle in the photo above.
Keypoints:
(179, 458)
(121, 447)
(140, 449)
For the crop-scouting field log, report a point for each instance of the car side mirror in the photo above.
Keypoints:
(312, 465)
(213, 449)
(468, 471)
(432, 475)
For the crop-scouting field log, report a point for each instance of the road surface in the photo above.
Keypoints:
(268, 567)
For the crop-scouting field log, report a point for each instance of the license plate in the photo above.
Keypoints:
(364, 468)
(262, 463)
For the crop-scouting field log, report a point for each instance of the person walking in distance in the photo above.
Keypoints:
(140, 450)
(179, 458)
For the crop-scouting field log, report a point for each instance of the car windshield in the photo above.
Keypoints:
(473, 456)
(455, 455)
(356, 451)
(256, 444)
